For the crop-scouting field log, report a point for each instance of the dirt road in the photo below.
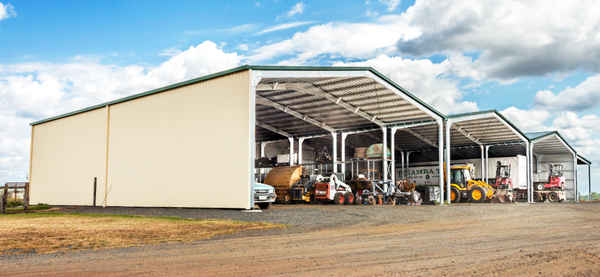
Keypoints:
(469, 240)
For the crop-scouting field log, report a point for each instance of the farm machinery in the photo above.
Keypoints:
(551, 190)
(464, 188)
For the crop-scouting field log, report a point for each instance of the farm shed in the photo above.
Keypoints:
(194, 144)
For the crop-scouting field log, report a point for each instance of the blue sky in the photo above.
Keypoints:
(536, 63)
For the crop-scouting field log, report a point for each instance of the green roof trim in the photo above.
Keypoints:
(238, 69)
(586, 161)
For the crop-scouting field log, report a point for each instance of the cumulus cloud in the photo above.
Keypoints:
(7, 11)
(424, 79)
(528, 120)
(584, 96)
(296, 9)
(517, 38)
(350, 40)
(32, 91)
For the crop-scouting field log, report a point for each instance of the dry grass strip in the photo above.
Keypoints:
(55, 232)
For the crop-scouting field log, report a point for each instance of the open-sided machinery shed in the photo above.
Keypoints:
(551, 148)
(193, 144)
(486, 130)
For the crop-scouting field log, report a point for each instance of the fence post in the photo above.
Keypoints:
(26, 197)
(95, 185)
(4, 198)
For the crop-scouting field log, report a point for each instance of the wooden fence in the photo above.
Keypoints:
(15, 187)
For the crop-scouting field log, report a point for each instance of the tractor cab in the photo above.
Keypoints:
(459, 176)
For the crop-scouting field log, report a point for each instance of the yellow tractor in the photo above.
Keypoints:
(464, 188)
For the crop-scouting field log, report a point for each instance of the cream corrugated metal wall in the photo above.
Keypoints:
(67, 155)
(178, 148)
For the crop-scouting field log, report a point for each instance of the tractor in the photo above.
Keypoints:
(463, 187)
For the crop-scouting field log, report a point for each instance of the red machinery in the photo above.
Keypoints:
(503, 180)
(556, 180)
(331, 189)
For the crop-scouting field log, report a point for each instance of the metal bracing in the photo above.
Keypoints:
(317, 91)
(273, 129)
(467, 135)
(420, 137)
(267, 102)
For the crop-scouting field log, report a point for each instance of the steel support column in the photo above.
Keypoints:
(393, 149)
(590, 181)
(482, 162)
(402, 174)
(441, 158)
(300, 142)
(344, 135)
(448, 164)
(291, 139)
(334, 151)
(487, 164)
(575, 177)
(384, 160)
(530, 172)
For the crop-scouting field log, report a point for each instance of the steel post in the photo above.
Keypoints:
(448, 160)
(393, 149)
(441, 158)
(590, 181)
(384, 160)
(334, 151)
(291, 159)
(482, 162)
(300, 142)
(575, 177)
(487, 164)
(344, 135)
(402, 165)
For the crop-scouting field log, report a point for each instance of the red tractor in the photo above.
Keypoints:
(503, 180)
(556, 180)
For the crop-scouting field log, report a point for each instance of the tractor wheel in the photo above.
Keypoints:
(287, 199)
(539, 187)
(477, 195)
(348, 198)
(454, 195)
(553, 197)
(338, 198)
(264, 206)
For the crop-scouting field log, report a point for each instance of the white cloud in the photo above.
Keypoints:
(517, 38)
(284, 26)
(32, 91)
(391, 4)
(350, 40)
(169, 52)
(243, 47)
(7, 11)
(296, 9)
(584, 96)
(528, 120)
(424, 79)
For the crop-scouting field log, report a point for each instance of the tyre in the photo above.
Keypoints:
(553, 197)
(287, 199)
(338, 198)
(455, 195)
(477, 195)
(348, 198)
(357, 199)
(539, 187)
(264, 206)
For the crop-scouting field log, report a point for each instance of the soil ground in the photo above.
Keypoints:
(459, 240)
